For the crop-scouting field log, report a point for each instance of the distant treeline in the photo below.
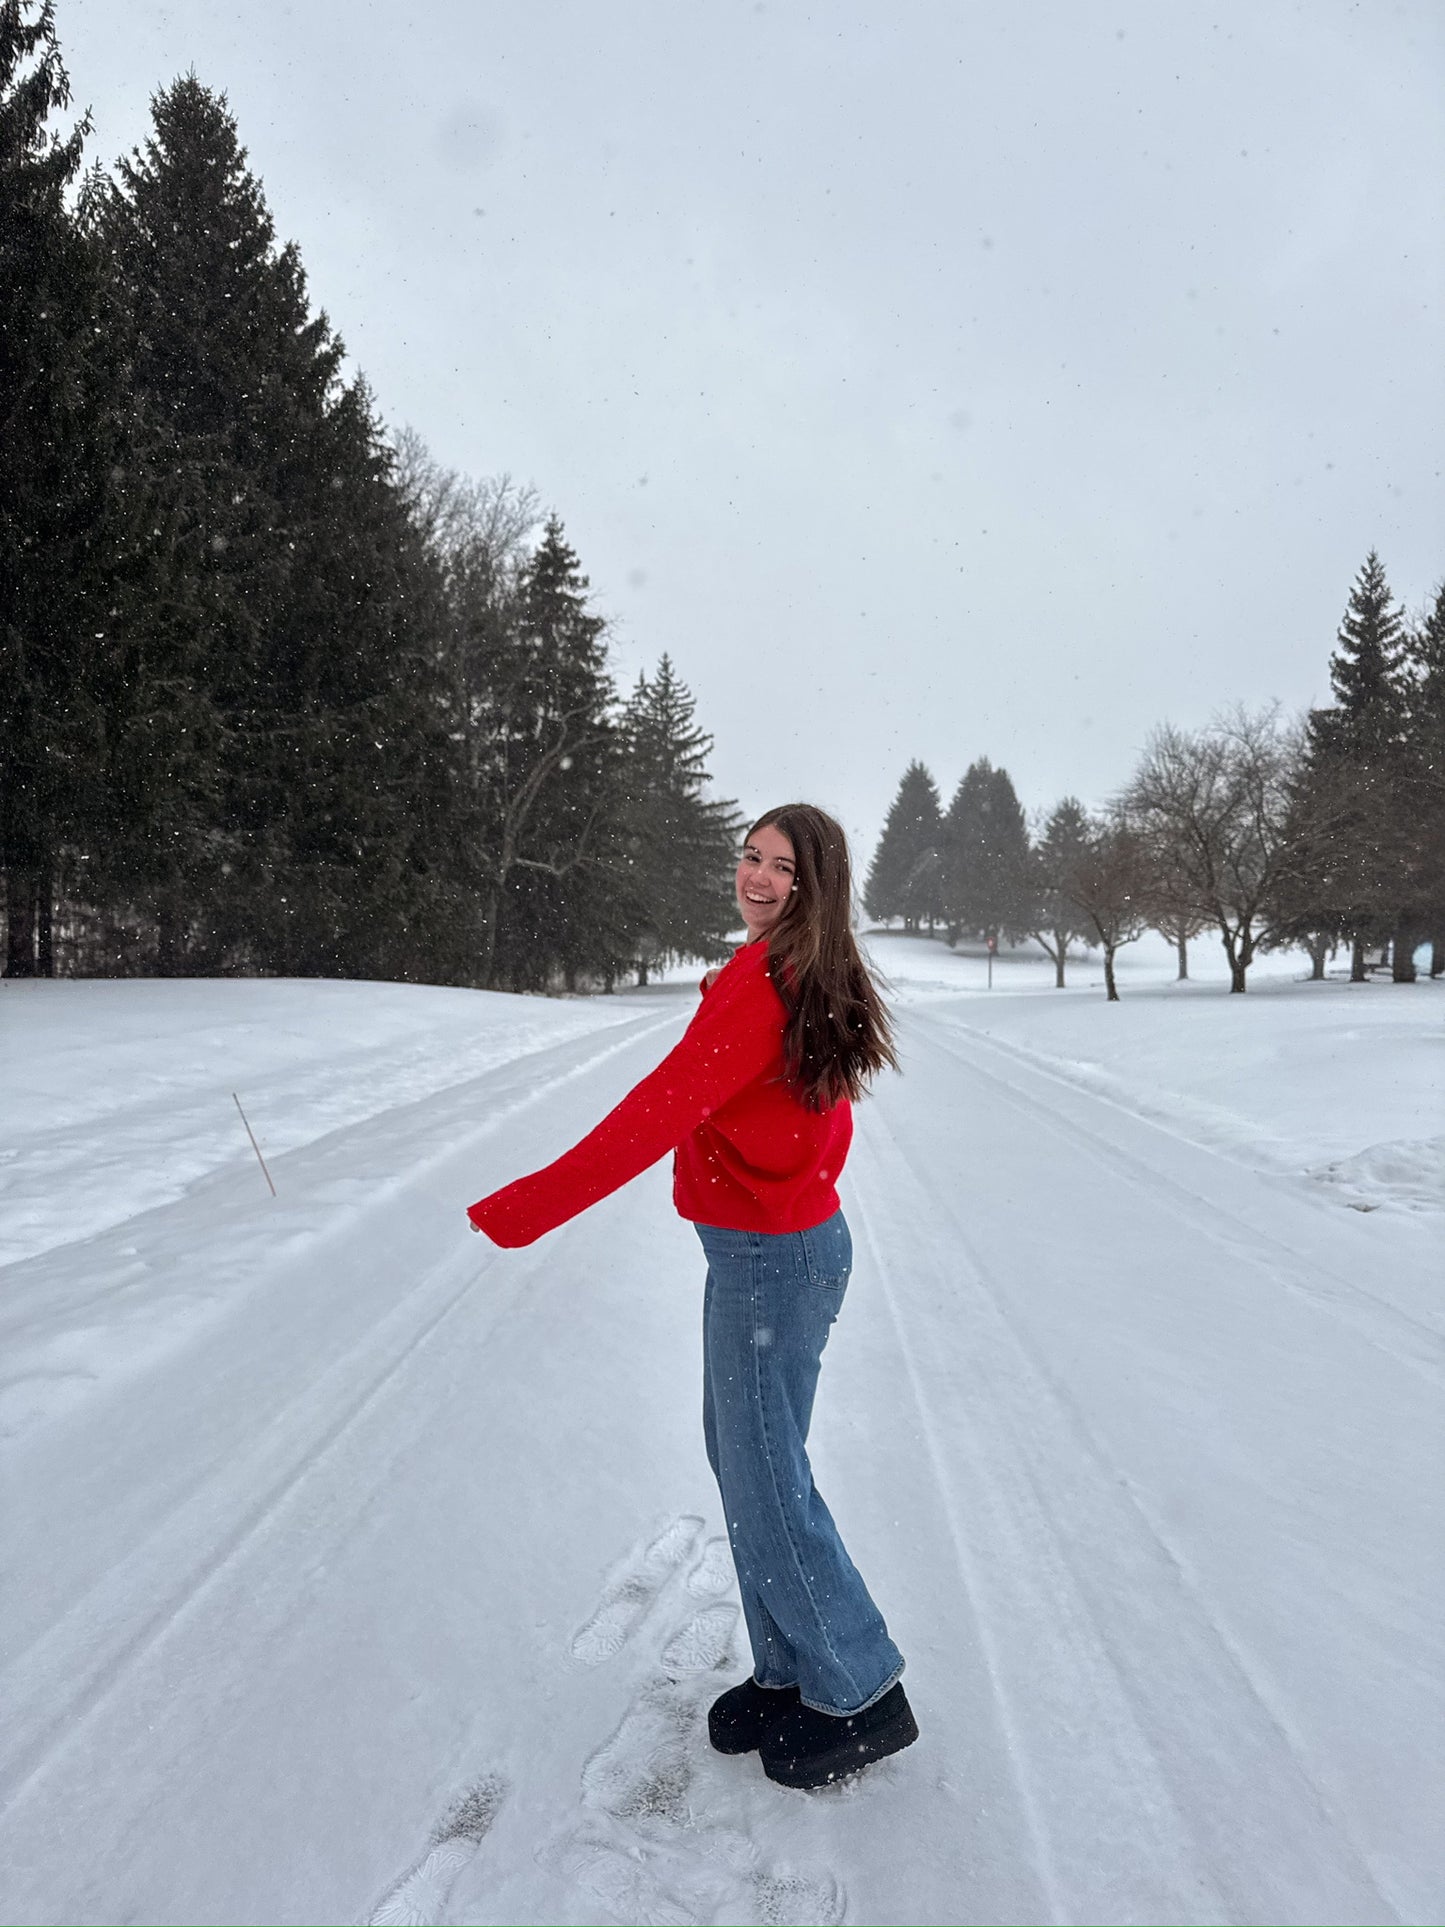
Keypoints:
(1321, 834)
(277, 694)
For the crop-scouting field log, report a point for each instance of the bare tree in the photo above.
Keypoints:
(1210, 810)
(527, 691)
(461, 519)
(1179, 930)
(1107, 882)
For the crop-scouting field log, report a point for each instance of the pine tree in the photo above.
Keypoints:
(52, 582)
(1425, 771)
(1056, 857)
(964, 835)
(1365, 670)
(1348, 866)
(986, 866)
(905, 877)
(550, 747)
(297, 634)
(1425, 660)
(678, 847)
(1011, 906)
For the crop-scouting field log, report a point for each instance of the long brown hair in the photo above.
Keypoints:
(838, 1033)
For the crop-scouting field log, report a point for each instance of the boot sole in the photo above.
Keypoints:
(822, 1769)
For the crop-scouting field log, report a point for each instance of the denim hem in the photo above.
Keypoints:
(851, 1712)
(775, 1685)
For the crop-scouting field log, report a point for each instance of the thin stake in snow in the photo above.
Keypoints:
(254, 1145)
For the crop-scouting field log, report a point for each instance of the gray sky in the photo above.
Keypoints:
(930, 380)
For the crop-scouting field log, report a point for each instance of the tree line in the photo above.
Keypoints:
(1321, 833)
(278, 692)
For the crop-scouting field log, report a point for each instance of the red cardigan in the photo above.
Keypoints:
(750, 1157)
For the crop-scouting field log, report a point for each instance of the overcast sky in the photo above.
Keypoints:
(930, 380)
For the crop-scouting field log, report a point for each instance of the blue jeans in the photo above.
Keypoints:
(770, 1305)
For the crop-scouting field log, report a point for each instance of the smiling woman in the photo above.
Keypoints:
(767, 875)
(755, 1102)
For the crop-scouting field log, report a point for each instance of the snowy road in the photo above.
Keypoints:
(358, 1571)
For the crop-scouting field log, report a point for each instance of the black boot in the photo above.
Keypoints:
(738, 1721)
(806, 1748)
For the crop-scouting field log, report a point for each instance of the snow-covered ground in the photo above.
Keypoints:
(1343, 1081)
(356, 1570)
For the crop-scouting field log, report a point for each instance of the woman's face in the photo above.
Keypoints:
(764, 879)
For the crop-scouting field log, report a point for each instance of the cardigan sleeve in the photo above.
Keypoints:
(733, 1039)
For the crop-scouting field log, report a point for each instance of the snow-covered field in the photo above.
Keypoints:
(355, 1570)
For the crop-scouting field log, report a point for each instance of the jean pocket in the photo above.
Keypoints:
(828, 1253)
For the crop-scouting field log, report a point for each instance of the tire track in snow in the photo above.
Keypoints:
(92, 1659)
(1417, 1344)
(62, 1724)
(32, 1304)
(1136, 1734)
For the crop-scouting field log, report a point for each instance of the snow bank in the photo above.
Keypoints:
(1410, 1173)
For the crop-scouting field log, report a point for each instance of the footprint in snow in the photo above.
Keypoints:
(419, 1898)
(703, 1643)
(627, 1600)
(713, 1572)
(644, 1771)
(639, 1852)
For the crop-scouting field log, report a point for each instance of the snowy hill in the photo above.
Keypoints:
(361, 1571)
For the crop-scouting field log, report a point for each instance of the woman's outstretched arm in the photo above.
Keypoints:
(735, 1037)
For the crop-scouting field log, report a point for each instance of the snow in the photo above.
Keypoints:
(159, 1060)
(1293, 1076)
(357, 1570)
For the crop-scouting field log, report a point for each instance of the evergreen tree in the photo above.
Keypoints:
(1056, 858)
(1324, 887)
(1425, 770)
(550, 749)
(1347, 869)
(986, 867)
(297, 635)
(905, 878)
(1425, 661)
(678, 847)
(52, 581)
(1368, 713)
(1011, 906)
(964, 834)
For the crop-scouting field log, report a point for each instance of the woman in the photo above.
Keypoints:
(755, 1101)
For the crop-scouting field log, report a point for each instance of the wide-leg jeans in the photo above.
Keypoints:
(770, 1304)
